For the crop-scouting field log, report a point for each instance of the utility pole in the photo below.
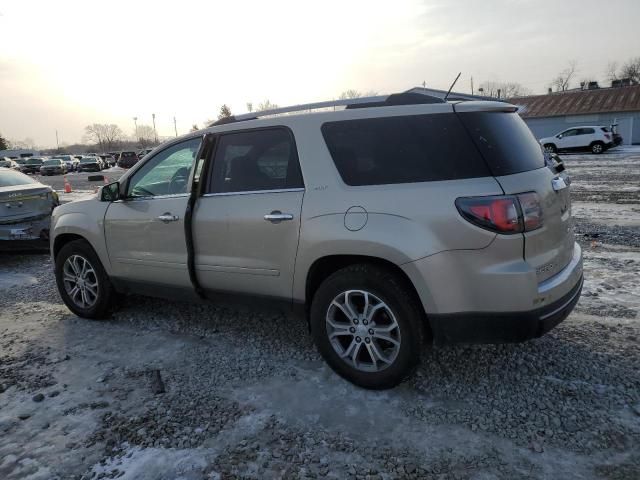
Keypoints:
(424, 84)
(57, 142)
(155, 134)
(135, 121)
(471, 85)
(175, 127)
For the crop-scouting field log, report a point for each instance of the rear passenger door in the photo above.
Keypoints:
(247, 223)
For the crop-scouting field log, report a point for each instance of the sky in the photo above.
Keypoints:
(65, 64)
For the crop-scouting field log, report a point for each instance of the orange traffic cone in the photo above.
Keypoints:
(67, 185)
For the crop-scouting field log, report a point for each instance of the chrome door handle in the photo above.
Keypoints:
(277, 216)
(167, 217)
(558, 184)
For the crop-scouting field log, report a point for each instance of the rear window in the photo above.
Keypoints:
(127, 154)
(505, 142)
(52, 162)
(605, 129)
(12, 178)
(34, 161)
(407, 149)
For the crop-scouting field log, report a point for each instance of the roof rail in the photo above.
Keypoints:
(405, 98)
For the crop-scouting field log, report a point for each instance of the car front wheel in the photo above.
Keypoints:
(550, 148)
(82, 281)
(367, 326)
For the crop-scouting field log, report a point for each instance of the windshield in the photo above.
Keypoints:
(127, 154)
(88, 160)
(5, 163)
(11, 178)
(52, 162)
(34, 161)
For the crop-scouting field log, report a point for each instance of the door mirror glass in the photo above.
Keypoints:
(110, 192)
(560, 136)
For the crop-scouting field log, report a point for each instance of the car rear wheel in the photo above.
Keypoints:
(597, 147)
(550, 148)
(367, 326)
(82, 281)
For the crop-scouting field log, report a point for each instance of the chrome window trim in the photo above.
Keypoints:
(252, 192)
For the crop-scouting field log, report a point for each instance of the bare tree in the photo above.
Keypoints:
(249, 106)
(194, 127)
(496, 89)
(26, 144)
(105, 135)
(631, 70)
(146, 135)
(225, 112)
(348, 94)
(266, 105)
(563, 80)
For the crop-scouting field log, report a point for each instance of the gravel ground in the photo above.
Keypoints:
(172, 390)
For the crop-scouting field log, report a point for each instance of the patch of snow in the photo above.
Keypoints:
(608, 213)
(155, 464)
(13, 279)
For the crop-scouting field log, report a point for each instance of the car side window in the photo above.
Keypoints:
(255, 160)
(569, 133)
(167, 173)
(587, 131)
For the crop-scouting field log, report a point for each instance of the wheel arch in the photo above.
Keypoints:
(63, 239)
(325, 266)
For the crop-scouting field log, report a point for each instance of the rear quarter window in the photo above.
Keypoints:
(405, 149)
(505, 142)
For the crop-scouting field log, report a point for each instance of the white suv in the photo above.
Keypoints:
(596, 139)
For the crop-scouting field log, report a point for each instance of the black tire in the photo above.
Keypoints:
(391, 289)
(597, 148)
(106, 294)
(550, 148)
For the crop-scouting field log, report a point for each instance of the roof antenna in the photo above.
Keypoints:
(451, 87)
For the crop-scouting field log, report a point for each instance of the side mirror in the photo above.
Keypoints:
(110, 192)
(559, 136)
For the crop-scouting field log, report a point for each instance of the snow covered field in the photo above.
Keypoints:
(247, 396)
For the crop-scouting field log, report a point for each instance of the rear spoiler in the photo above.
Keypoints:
(484, 106)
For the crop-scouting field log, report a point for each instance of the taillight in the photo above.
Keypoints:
(607, 136)
(505, 214)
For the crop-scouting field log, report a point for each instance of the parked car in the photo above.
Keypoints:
(25, 210)
(144, 152)
(32, 165)
(406, 221)
(70, 161)
(127, 159)
(108, 160)
(8, 163)
(595, 139)
(53, 166)
(90, 164)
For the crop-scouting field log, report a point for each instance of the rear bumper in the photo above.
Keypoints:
(475, 296)
(29, 234)
(503, 327)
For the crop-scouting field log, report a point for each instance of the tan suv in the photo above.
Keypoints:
(390, 223)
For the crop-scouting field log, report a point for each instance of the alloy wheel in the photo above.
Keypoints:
(363, 330)
(80, 281)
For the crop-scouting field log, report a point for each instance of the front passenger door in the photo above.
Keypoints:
(145, 231)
